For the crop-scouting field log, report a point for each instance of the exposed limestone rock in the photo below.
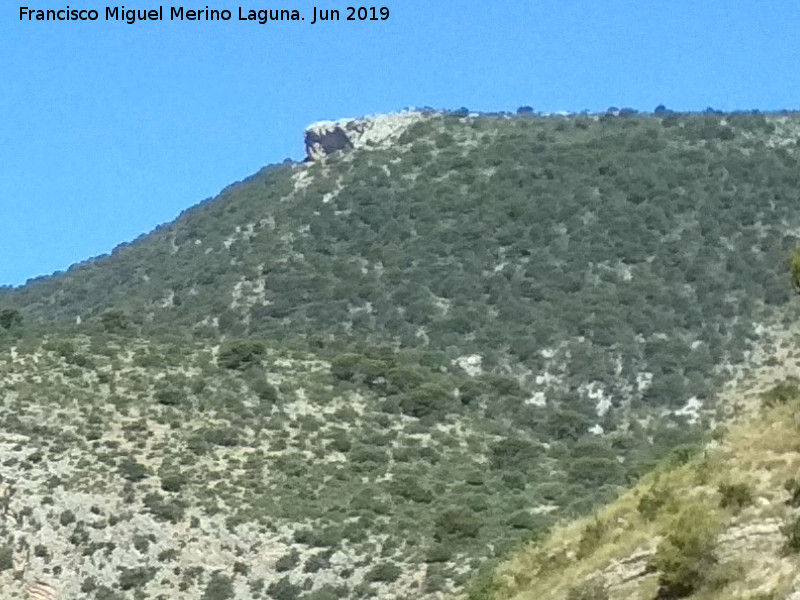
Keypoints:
(471, 364)
(631, 569)
(765, 535)
(325, 137)
(324, 140)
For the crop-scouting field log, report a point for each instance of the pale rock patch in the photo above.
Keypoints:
(471, 364)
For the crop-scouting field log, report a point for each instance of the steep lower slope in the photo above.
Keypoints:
(165, 469)
(722, 524)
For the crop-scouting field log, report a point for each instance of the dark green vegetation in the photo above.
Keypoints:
(397, 459)
(536, 232)
(685, 557)
(390, 361)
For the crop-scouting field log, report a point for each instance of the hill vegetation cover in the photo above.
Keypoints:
(366, 374)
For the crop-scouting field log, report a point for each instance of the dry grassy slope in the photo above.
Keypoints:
(755, 445)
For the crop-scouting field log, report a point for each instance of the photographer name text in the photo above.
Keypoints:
(179, 13)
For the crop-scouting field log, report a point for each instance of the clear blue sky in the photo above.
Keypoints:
(109, 129)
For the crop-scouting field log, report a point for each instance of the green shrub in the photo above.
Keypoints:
(284, 589)
(685, 558)
(165, 509)
(106, 593)
(324, 537)
(367, 500)
(357, 531)
(681, 455)
(6, 554)
(358, 368)
(735, 496)
(792, 534)
(385, 572)
(364, 453)
(651, 504)
(515, 453)
(136, 577)
(173, 482)
(240, 354)
(169, 396)
(132, 470)
(408, 487)
(10, 318)
(595, 471)
(317, 562)
(439, 553)
(795, 268)
(781, 393)
(168, 555)
(81, 360)
(522, 519)
(287, 562)
(564, 424)
(345, 366)
(256, 586)
(591, 538)
(364, 590)
(457, 522)
(429, 399)
(793, 487)
(141, 543)
(219, 587)
(470, 391)
(115, 321)
(197, 385)
(221, 436)
(265, 391)
(482, 586)
(328, 592)
(340, 441)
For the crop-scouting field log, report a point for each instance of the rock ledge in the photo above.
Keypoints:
(326, 137)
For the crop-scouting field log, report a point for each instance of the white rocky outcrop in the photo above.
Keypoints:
(324, 137)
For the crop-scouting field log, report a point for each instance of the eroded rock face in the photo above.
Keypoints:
(323, 141)
(628, 570)
(327, 137)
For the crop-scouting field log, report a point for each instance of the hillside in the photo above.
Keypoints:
(587, 248)
(368, 374)
(148, 466)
